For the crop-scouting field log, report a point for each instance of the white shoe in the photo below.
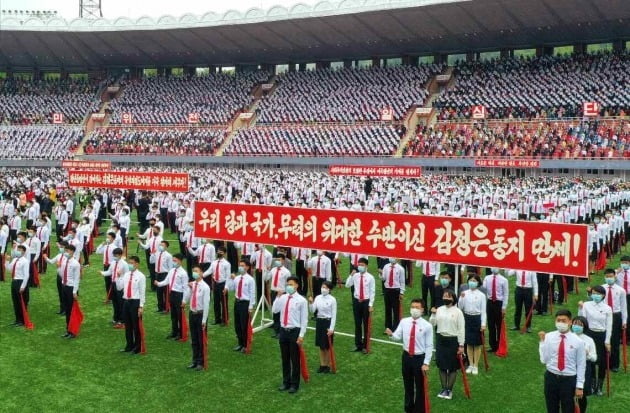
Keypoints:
(442, 394)
(469, 370)
(449, 395)
(475, 371)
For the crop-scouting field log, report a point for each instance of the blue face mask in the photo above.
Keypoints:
(610, 281)
(444, 282)
(130, 266)
(597, 298)
(625, 267)
(473, 284)
(241, 270)
(195, 276)
(361, 269)
(577, 329)
(289, 289)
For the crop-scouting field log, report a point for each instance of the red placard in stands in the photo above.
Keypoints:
(507, 163)
(376, 171)
(590, 109)
(193, 118)
(148, 181)
(523, 245)
(57, 118)
(126, 118)
(387, 114)
(479, 112)
(71, 164)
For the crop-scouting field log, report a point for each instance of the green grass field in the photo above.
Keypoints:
(41, 372)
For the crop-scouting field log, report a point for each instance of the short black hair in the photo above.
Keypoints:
(563, 312)
(292, 278)
(625, 258)
(135, 259)
(117, 251)
(179, 256)
(70, 247)
(328, 284)
(22, 248)
(22, 233)
(165, 242)
(363, 260)
(474, 276)
(599, 290)
(582, 320)
(609, 271)
(419, 300)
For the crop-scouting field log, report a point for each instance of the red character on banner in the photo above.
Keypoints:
(57, 118)
(387, 114)
(590, 109)
(126, 118)
(479, 112)
(193, 117)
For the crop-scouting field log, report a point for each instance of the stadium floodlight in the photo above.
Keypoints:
(90, 9)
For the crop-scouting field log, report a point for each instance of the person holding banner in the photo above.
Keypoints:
(362, 304)
(564, 355)
(19, 269)
(498, 289)
(580, 324)
(525, 296)
(70, 280)
(449, 343)
(393, 276)
(133, 287)
(616, 299)
(416, 335)
(472, 302)
(244, 287)
(216, 276)
(293, 309)
(325, 306)
(177, 280)
(199, 297)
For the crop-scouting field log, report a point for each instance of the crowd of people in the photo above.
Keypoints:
(27, 102)
(315, 140)
(47, 142)
(346, 95)
(155, 140)
(537, 139)
(539, 87)
(169, 100)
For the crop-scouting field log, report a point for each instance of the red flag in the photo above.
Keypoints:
(464, 376)
(143, 347)
(204, 348)
(483, 349)
(27, 320)
(601, 260)
(184, 328)
(427, 400)
(369, 333)
(35, 274)
(529, 318)
(333, 359)
(576, 406)
(226, 314)
(167, 301)
(108, 297)
(502, 351)
(76, 319)
(250, 336)
(303, 366)
(624, 344)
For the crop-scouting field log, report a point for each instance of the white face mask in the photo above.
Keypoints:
(416, 313)
(562, 327)
(325, 291)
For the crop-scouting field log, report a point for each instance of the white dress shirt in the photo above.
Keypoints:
(473, 302)
(19, 269)
(531, 281)
(423, 337)
(278, 277)
(322, 263)
(449, 322)
(394, 276)
(326, 307)
(297, 308)
(116, 269)
(72, 268)
(369, 290)
(502, 288)
(202, 302)
(225, 268)
(244, 287)
(163, 261)
(206, 253)
(176, 279)
(620, 304)
(599, 317)
(138, 286)
(574, 355)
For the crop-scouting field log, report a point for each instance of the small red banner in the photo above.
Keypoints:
(69, 164)
(376, 171)
(507, 163)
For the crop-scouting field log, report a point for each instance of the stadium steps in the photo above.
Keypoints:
(226, 142)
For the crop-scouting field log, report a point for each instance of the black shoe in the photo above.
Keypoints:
(356, 350)
(515, 328)
(327, 370)
(192, 366)
(124, 350)
(321, 369)
(490, 350)
(175, 338)
(71, 336)
(243, 350)
(238, 348)
(364, 351)
(283, 388)
(292, 390)
(615, 369)
(199, 368)
(18, 325)
(60, 312)
(65, 335)
(134, 352)
(529, 330)
(170, 336)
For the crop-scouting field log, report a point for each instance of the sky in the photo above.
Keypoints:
(69, 9)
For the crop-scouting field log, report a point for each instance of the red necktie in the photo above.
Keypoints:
(356, 260)
(319, 262)
(153, 246)
(285, 320)
(13, 269)
(610, 297)
(523, 279)
(361, 292)
(65, 273)
(391, 275)
(426, 268)
(261, 257)
(107, 256)
(217, 270)
(275, 278)
(193, 302)
(159, 263)
(239, 290)
(203, 253)
(494, 288)
(173, 276)
(129, 285)
(412, 339)
(114, 272)
(561, 353)
(190, 239)
(245, 249)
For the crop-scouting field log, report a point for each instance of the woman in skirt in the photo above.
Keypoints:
(472, 302)
(325, 306)
(580, 324)
(449, 341)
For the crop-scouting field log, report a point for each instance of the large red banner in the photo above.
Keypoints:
(147, 181)
(376, 171)
(507, 163)
(523, 245)
(71, 164)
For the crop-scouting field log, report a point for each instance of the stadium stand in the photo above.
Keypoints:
(39, 142)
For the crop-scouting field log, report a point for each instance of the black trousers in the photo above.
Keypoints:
(392, 308)
(493, 309)
(191, 260)
(68, 300)
(559, 393)
(557, 279)
(542, 305)
(217, 297)
(361, 311)
(259, 283)
(15, 296)
(290, 354)
(428, 290)
(628, 329)
(132, 327)
(599, 338)
(615, 338)
(59, 231)
(117, 304)
(204, 266)
(196, 336)
(152, 274)
(523, 297)
(241, 318)
(302, 274)
(414, 382)
(60, 292)
(176, 313)
(161, 292)
(108, 281)
(171, 222)
(317, 286)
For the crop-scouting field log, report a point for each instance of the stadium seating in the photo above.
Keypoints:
(39, 142)
(24, 102)
(156, 140)
(346, 95)
(542, 87)
(316, 140)
(169, 100)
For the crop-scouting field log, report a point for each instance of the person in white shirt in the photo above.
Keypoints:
(198, 295)
(362, 304)
(205, 254)
(244, 287)
(293, 309)
(277, 277)
(623, 280)
(216, 276)
(325, 306)
(261, 262)
(320, 268)
(563, 354)
(599, 317)
(580, 324)
(18, 269)
(616, 299)
(70, 279)
(162, 262)
(393, 277)
(472, 302)
(107, 249)
(497, 288)
(133, 287)
(116, 270)
(416, 335)
(176, 280)
(449, 341)
(525, 296)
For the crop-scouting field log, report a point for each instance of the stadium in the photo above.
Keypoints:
(436, 138)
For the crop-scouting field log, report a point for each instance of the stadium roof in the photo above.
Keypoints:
(326, 31)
